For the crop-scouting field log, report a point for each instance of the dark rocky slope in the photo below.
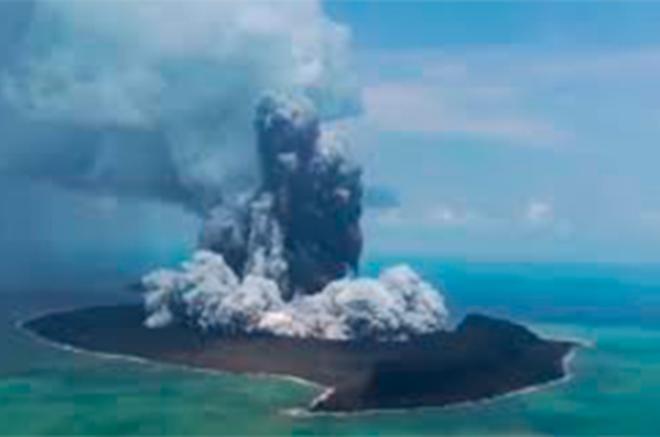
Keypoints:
(482, 358)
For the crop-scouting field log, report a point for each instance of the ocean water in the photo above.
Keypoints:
(614, 388)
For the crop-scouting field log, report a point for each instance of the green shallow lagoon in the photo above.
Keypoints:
(615, 390)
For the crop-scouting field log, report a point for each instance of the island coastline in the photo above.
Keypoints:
(329, 391)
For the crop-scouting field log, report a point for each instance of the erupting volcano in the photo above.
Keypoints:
(229, 119)
(274, 289)
(283, 259)
(301, 228)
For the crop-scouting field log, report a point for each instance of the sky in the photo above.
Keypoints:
(499, 131)
(511, 130)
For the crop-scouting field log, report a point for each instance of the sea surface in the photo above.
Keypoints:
(614, 388)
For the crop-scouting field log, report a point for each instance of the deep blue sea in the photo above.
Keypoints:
(614, 390)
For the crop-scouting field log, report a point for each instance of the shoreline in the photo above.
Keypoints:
(568, 377)
(19, 326)
(327, 391)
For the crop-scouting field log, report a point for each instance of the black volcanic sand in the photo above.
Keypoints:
(482, 358)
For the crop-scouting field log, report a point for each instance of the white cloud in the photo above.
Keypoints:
(623, 64)
(433, 108)
(438, 216)
(539, 212)
(513, 94)
(541, 215)
(388, 217)
(444, 215)
(537, 217)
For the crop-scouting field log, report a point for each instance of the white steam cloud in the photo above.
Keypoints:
(169, 85)
(206, 293)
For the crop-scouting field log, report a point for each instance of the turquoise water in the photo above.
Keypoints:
(615, 389)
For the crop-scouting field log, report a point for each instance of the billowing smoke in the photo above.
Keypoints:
(279, 261)
(209, 296)
(218, 107)
(301, 228)
(155, 99)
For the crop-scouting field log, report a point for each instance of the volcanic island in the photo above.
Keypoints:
(481, 359)
(274, 289)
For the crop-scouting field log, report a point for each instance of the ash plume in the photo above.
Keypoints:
(155, 99)
(302, 226)
(280, 261)
(163, 101)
